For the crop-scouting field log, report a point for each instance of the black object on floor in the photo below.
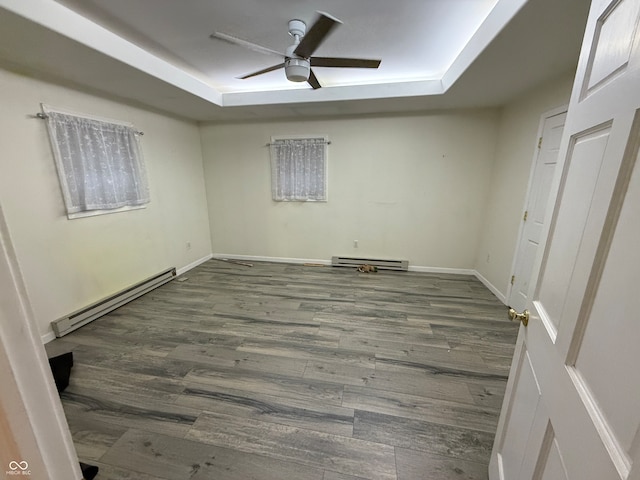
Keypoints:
(89, 472)
(61, 369)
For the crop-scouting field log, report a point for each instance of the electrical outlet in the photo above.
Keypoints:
(355, 244)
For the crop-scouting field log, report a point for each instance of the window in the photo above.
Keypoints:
(99, 164)
(299, 169)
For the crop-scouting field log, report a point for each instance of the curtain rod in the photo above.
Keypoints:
(324, 143)
(44, 116)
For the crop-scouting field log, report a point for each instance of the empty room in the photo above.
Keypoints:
(319, 240)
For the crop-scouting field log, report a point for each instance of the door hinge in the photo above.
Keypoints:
(526, 214)
(513, 279)
(540, 142)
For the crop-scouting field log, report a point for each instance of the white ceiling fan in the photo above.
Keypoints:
(298, 57)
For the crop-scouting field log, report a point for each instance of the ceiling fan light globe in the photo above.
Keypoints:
(297, 69)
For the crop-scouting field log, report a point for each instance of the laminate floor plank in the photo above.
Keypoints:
(309, 414)
(281, 371)
(96, 339)
(373, 324)
(421, 408)
(393, 381)
(125, 385)
(487, 395)
(302, 351)
(111, 472)
(455, 359)
(249, 327)
(342, 454)
(133, 361)
(95, 406)
(414, 465)
(428, 368)
(419, 338)
(271, 384)
(91, 437)
(452, 441)
(260, 304)
(234, 358)
(374, 346)
(250, 312)
(173, 458)
(328, 475)
(340, 373)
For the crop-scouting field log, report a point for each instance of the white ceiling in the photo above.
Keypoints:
(417, 39)
(435, 53)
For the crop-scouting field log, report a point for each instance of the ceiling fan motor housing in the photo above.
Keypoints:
(297, 28)
(296, 68)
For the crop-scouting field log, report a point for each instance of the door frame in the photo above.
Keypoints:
(552, 193)
(33, 425)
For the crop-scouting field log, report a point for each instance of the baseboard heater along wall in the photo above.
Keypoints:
(77, 319)
(376, 262)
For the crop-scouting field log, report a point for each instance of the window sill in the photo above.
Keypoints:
(93, 213)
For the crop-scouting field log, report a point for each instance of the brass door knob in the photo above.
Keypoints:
(523, 317)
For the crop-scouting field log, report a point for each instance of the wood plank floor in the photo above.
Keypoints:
(292, 372)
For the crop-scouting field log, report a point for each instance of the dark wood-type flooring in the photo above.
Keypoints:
(280, 372)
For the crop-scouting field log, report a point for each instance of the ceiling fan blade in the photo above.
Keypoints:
(264, 70)
(243, 43)
(344, 62)
(316, 35)
(313, 80)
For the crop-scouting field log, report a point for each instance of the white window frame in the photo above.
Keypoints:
(325, 140)
(60, 169)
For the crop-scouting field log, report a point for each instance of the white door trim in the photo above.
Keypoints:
(35, 426)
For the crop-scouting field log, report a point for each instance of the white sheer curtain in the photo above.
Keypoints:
(299, 169)
(99, 164)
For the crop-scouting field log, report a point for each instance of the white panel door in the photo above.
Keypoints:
(537, 199)
(572, 406)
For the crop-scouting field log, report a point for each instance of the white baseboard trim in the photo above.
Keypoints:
(200, 261)
(253, 258)
(48, 337)
(491, 287)
(452, 271)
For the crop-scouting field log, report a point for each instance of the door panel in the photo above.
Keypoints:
(583, 165)
(551, 466)
(581, 339)
(526, 394)
(612, 325)
(612, 51)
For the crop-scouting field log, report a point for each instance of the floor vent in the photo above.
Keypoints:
(88, 314)
(376, 262)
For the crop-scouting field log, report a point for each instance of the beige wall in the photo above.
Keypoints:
(517, 141)
(409, 187)
(68, 264)
(442, 190)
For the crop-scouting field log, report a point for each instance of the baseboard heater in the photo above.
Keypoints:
(376, 262)
(77, 319)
